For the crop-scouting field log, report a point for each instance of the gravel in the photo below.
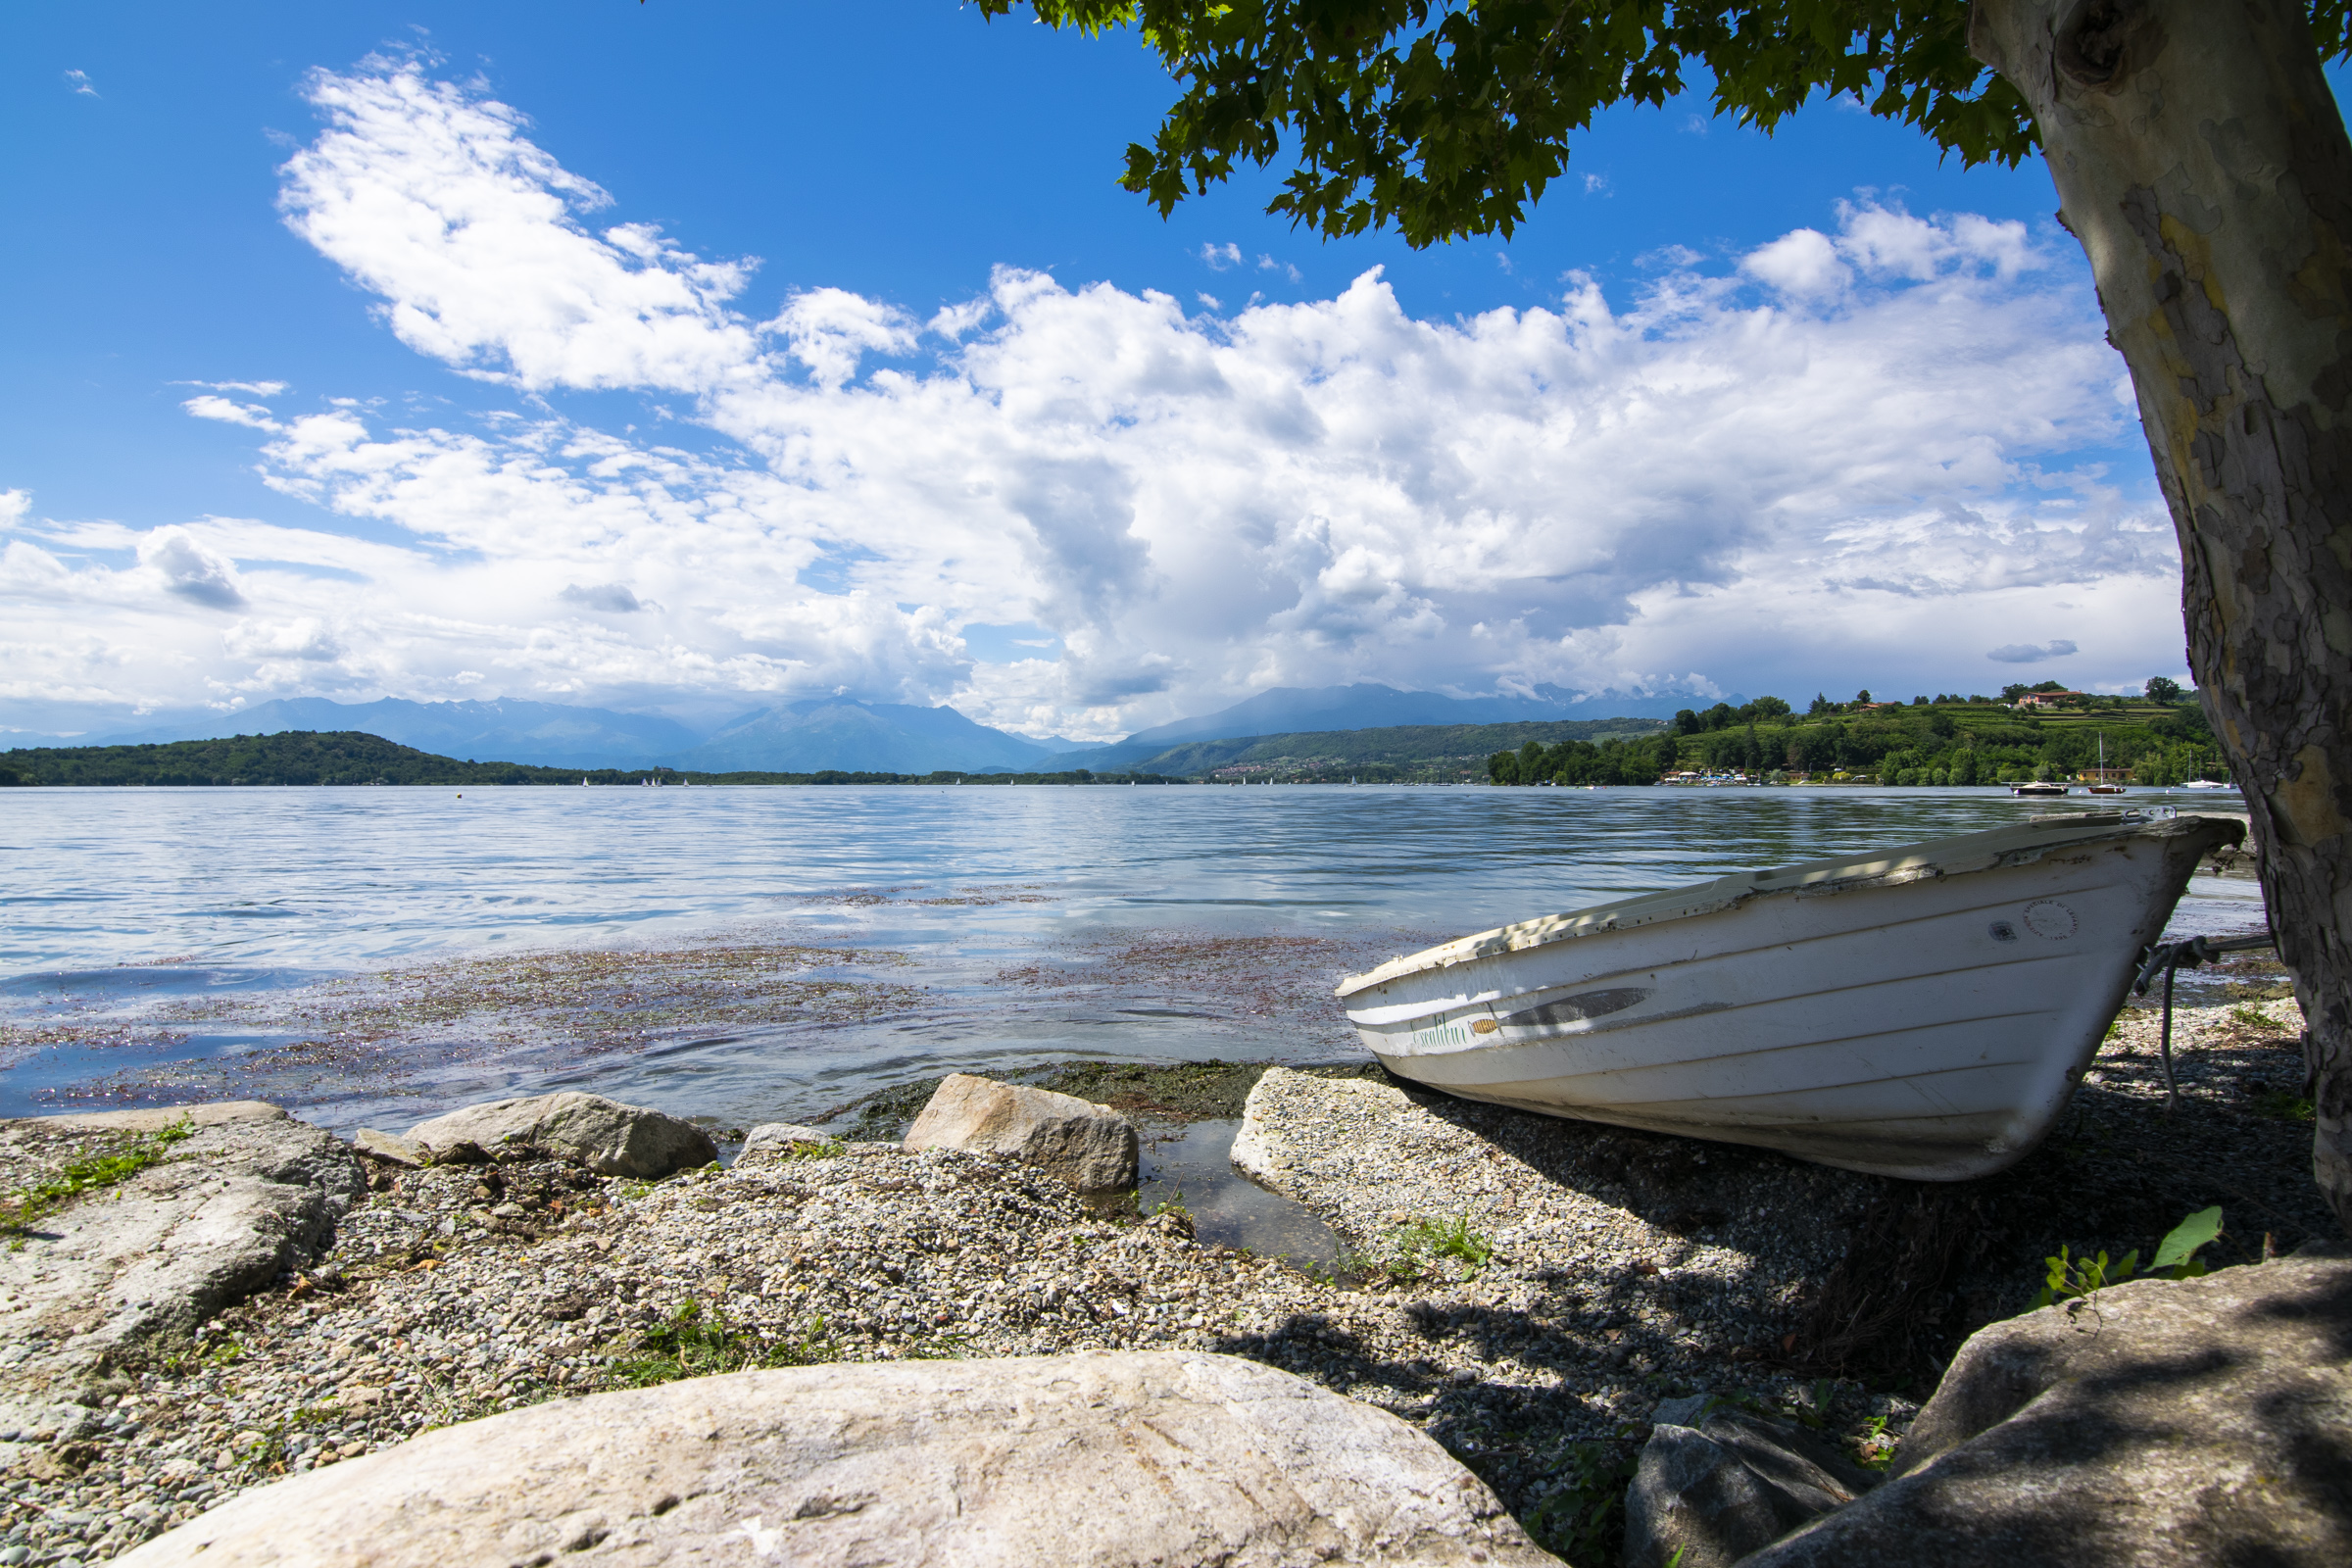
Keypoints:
(461, 1291)
(1623, 1269)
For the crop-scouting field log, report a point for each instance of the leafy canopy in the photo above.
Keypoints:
(1445, 117)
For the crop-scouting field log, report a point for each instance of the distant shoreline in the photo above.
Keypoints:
(350, 758)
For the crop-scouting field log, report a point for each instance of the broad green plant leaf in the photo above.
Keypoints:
(2177, 1251)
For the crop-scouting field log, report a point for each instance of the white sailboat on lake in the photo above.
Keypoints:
(1919, 1013)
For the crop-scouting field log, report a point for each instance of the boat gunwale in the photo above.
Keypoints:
(1779, 944)
(1991, 848)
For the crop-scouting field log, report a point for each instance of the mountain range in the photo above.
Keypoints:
(1294, 710)
(845, 733)
(502, 730)
(840, 732)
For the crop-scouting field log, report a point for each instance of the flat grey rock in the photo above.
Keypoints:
(1091, 1147)
(609, 1138)
(1729, 1486)
(2160, 1423)
(1684, 1412)
(774, 1140)
(1170, 1459)
(155, 1119)
(390, 1148)
(249, 1194)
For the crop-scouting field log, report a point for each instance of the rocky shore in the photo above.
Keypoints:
(1525, 1291)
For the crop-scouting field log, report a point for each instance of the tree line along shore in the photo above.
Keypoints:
(351, 758)
(1945, 740)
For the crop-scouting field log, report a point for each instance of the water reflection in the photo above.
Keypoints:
(1194, 1167)
(1028, 925)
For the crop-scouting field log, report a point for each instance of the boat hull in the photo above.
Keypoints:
(1927, 1021)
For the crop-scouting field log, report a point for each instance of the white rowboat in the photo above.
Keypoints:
(1922, 1012)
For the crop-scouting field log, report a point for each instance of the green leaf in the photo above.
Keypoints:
(1441, 119)
(2177, 1251)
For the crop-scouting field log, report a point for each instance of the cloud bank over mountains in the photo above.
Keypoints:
(1879, 447)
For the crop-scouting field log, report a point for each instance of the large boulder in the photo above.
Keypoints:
(1728, 1486)
(2157, 1423)
(248, 1194)
(1157, 1457)
(605, 1136)
(1091, 1147)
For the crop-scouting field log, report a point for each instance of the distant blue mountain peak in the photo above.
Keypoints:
(856, 734)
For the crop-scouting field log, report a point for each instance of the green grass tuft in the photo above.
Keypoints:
(1452, 1239)
(1417, 1248)
(695, 1341)
(2282, 1104)
(89, 1174)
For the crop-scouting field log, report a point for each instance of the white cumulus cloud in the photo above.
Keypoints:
(2031, 653)
(230, 412)
(474, 238)
(305, 639)
(186, 568)
(1866, 447)
(831, 329)
(258, 389)
(1803, 262)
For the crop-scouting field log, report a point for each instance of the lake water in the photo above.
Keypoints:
(380, 954)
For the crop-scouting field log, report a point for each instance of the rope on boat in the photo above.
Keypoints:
(2171, 956)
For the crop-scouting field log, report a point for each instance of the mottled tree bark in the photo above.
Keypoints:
(2202, 162)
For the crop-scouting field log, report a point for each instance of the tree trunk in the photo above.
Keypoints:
(2202, 162)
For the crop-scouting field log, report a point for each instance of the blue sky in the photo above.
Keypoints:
(681, 421)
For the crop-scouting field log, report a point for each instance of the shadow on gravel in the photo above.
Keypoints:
(1919, 1266)
(1533, 1445)
(1680, 1185)
(1923, 1265)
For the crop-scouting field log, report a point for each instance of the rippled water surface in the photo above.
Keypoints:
(753, 953)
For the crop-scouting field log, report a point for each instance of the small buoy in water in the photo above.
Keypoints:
(460, 795)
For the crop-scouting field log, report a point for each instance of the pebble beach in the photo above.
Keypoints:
(1525, 1289)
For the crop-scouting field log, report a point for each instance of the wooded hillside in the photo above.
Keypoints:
(345, 758)
(1402, 752)
(1944, 740)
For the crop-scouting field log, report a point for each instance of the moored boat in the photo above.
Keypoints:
(1921, 1013)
